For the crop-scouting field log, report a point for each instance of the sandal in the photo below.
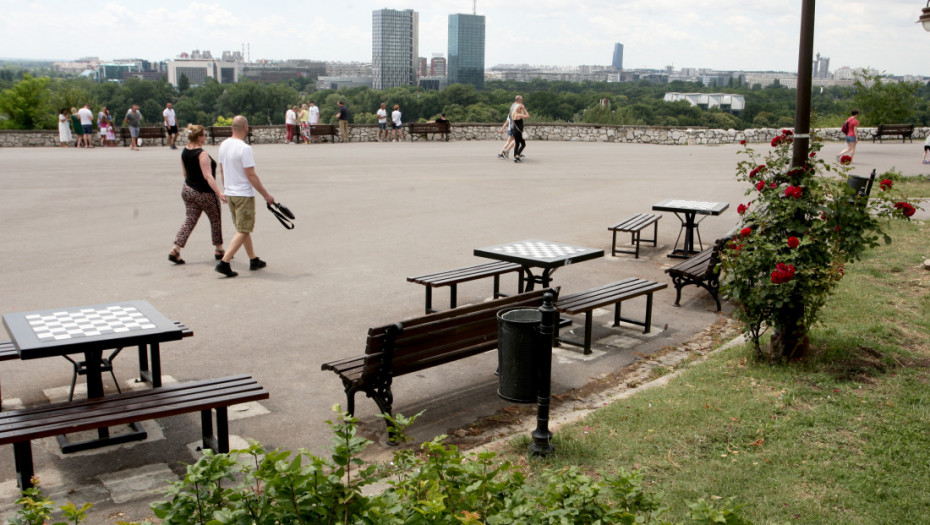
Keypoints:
(218, 254)
(175, 257)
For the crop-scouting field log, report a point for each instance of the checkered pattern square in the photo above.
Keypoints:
(87, 322)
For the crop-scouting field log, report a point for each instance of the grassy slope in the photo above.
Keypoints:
(841, 438)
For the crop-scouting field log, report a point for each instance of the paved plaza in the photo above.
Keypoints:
(85, 227)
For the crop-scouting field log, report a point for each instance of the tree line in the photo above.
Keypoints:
(32, 102)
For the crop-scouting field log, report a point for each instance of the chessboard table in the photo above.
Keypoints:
(91, 330)
(533, 253)
(690, 209)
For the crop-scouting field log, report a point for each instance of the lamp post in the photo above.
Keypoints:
(925, 17)
(802, 116)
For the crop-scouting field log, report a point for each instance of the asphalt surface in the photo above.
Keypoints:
(86, 227)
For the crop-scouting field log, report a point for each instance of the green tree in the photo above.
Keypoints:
(884, 102)
(184, 83)
(26, 105)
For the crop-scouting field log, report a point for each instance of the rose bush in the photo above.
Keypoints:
(801, 226)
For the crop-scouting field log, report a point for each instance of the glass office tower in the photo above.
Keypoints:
(394, 48)
(466, 50)
(618, 56)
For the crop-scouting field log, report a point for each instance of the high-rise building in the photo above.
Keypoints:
(422, 70)
(437, 66)
(618, 56)
(394, 47)
(466, 50)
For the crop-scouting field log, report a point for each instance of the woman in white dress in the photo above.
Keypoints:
(64, 128)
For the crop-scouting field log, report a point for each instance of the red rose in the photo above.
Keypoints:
(741, 209)
(755, 171)
(905, 208)
(813, 153)
(783, 273)
(760, 185)
(773, 185)
(787, 132)
(793, 191)
(886, 184)
(793, 242)
(735, 247)
(742, 142)
(745, 232)
(845, 160)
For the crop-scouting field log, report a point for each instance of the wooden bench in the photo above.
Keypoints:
(322, 130)
(21, 427)
(421, 343)
(154, 132)
(634, 226)
(452, 278)
(8, 352)
(700, 270)
(224, 132)
(422, 129)
(883, 130)
(614, 293)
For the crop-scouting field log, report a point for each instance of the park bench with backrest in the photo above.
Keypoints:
(224, 132)
(422, 129)
(634, 226)
(154, 132)
(452, 278)
(906, 131)
(20, 427)
(700, 270)
(424, 342)
(323, 130)
(611, 294)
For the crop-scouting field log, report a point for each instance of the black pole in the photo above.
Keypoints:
(802, 116)
(542, 437)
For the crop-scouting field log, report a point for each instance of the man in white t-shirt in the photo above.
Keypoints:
(290, 122)
(382, 123)
(314, 118)
(237, 167)
(171, 124)
(87, 125)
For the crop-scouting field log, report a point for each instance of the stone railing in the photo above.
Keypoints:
(534, 131)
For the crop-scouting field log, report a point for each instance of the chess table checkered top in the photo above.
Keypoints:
(99, 326)
(533, 252)
(684, 205)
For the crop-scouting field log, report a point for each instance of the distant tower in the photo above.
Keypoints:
(466, 50)
(618, 57)
(395, 56)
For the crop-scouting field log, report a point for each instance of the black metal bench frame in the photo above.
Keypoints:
(422, 129)
(634, 226)
(21, 427)
(421, 343)
(614, 293)
(700, 270)
(452, 278)
(884, 130)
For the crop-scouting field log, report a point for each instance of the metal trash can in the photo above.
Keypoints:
(860, 185)
(518, 343)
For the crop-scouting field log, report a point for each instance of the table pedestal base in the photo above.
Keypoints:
(103, 439)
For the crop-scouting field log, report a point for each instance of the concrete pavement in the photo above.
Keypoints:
(94, 226)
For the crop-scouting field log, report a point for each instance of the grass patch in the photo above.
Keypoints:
(914, 187)
(843, 437)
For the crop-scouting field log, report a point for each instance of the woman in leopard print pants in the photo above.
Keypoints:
(201, 194)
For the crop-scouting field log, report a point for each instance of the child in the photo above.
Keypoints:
(927, 150)
(111, 133)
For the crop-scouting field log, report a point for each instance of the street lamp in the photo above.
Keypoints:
(925, 17)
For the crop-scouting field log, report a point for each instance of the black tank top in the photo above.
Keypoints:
(191, 160)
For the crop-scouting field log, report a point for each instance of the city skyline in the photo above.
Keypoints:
(715, 34)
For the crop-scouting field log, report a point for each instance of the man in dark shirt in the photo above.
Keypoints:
(441, 120)
(343, 121)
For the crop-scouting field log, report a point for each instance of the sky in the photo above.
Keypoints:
(718, 34)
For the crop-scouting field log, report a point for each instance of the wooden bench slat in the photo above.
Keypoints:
(700, 270)
(452, 278)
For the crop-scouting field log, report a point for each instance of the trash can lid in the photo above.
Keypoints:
(521, 315)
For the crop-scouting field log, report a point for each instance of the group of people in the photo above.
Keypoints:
(514, 127)
(395, 127)
(202, 193)
(298, 122)
(78, 125)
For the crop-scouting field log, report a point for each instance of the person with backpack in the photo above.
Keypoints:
(850, 131)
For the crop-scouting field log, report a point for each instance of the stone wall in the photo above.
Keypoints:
(534, 131)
